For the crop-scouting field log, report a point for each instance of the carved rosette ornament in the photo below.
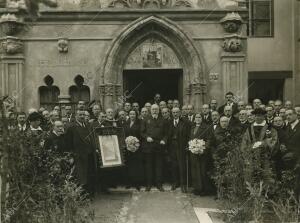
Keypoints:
(63, 45)
(11, 45)
(232, 22)
(232, 43)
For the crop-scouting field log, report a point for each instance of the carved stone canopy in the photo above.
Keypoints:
(232, 43)
(232, 22)
(11, 45)
(10, 25)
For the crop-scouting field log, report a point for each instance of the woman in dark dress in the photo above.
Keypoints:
(134, 160)
(199, 162)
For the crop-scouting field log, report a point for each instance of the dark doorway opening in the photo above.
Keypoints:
(143, 84)
(266, 89)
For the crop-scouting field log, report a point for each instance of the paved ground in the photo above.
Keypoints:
(130, 206)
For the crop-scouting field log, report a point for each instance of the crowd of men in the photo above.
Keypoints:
(164, 129)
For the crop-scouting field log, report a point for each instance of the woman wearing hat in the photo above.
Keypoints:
(34, 132)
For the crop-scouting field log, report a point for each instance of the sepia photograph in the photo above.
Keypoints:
(149, 111)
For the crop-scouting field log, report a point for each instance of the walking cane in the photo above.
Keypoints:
(187, 171)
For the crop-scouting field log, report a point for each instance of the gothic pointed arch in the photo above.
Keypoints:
(166, 31)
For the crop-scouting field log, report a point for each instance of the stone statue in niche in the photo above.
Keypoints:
(63, 45)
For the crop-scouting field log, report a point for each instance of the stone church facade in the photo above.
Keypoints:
(83, 49)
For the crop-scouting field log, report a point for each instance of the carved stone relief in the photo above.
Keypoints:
(63, 45)
(94, 4)
(231, 22)
(11, 45)
(232, 44)
(152, 54)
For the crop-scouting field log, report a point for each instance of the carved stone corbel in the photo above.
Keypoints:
(232, 43)
(11, 45)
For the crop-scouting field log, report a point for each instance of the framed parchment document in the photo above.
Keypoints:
(111, 143)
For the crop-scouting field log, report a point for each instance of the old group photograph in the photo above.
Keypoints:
(149, 111)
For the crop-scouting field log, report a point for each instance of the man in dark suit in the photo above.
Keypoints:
(206, 117)
(69, 114)
(229, 102)
(55, 140)
(191, 113)
(243, 122)
(233, 121)
(21, 122)
(154, 136)
(79, 142)
(178, 138)
(292, 153)
(270, 114)
(121, 119)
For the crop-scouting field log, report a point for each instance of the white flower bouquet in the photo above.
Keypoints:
(197, 146)
(132, 143)
(257, 144)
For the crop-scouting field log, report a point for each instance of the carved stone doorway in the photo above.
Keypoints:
(118, 56)
(141, 85)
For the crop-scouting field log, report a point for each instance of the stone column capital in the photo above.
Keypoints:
(199, 88)
(11, 45)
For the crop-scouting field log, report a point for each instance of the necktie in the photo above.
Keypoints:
(175, 123)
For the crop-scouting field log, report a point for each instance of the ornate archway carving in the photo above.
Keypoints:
(111, 70)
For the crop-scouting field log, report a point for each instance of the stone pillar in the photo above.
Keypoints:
(235, 75)
(12, 63)
(11, 58)
(198, 91)
(234, 63)
(110, 95)
(187, 95)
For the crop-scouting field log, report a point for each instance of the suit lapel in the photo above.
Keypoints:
(292, 132)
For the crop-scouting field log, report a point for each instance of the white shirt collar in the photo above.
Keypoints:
(35, 129)
(262, 124)
(55, 133)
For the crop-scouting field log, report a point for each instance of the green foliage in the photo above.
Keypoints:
(40, 188)
(287, 209)
(245, 178)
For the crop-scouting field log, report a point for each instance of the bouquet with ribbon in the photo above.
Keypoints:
(197, 146)
(132, 143)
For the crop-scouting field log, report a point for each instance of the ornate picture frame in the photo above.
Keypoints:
(110, 142)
